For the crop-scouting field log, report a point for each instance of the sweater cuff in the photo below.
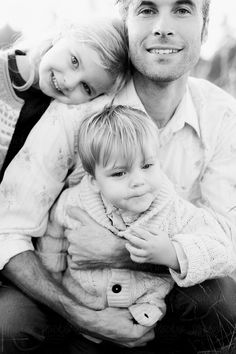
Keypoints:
(11, 245)
(182, 259)
(146, 314)
(54, 262)
(198, 262)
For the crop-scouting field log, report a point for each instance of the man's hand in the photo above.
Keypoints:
(91, 245)
(117, 326)
(151, 247)
(27, 272)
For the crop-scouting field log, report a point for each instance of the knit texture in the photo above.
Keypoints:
(146, 291)
(170, 213)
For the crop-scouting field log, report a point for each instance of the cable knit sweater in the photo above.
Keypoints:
(10, 107)
(142, 293)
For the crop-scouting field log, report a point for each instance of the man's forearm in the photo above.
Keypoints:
(27, 272)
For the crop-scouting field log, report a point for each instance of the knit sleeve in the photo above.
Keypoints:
(208, 251)
(52, 247)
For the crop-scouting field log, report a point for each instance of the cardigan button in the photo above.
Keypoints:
(116, 288)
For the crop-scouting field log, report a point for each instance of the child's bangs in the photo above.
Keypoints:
(122, 148)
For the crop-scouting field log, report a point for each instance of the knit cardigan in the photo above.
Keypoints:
(142, 293)
(10, 107)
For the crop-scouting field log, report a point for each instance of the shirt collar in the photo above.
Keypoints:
(184, 114)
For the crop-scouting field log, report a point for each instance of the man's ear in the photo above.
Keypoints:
(205, 31)
(94, 184)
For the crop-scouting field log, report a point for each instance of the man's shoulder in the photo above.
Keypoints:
(215, 109)
(205, 93)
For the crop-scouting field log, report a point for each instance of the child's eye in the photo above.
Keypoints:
(118, 174)
(147, 165)
(74, 61)
(86, 88)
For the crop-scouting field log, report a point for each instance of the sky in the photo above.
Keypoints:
(29, 15)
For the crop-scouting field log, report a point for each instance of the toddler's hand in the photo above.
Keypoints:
(151, 247)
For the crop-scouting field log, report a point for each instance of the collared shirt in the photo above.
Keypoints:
(197, 150)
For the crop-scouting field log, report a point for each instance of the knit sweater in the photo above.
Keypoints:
(98, 288)
(10, 107)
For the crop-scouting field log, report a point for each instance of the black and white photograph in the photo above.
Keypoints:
(117, 177)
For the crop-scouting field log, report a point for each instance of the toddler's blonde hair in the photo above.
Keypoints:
(116, 132)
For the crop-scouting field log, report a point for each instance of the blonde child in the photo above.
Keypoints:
(74, 63)
(125, 191)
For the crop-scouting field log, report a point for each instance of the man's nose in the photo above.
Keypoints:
(163, 26)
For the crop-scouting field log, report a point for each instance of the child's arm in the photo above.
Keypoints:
(52, 247)
(153, 247)
(196, 238)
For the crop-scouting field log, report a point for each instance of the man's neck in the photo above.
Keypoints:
(160, 99)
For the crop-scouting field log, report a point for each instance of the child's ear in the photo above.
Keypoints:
(94, 184)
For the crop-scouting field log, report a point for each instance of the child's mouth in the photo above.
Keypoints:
(55, 83)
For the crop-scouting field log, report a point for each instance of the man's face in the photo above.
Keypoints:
(165, 37)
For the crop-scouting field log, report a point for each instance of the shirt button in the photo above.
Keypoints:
(116, 288)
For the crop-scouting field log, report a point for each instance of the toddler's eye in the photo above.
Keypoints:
(118, 174)
(147, 165)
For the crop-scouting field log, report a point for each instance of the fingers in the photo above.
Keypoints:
(80, 215)
(136, 254)
(145, 336)
(70, 234)
(136, 241)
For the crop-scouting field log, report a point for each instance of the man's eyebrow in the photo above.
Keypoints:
(145, 3)
(186, 2)
(178, 2)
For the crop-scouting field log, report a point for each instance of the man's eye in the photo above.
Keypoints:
(183, 11)
(74, 61)
(86, 88)
(146, 11)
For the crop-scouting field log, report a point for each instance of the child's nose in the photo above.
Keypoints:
(137, 180)
(71, 81)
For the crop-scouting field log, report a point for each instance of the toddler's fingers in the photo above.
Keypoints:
(138, 252)
(138, 259)
(136, 241)
(143, 234)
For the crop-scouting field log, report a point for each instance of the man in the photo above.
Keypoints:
(165, 38)
(198, 155)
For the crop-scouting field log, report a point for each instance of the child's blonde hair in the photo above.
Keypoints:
(104, 35)
(116, 132)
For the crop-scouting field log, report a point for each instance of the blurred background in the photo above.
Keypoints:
(218, 57)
